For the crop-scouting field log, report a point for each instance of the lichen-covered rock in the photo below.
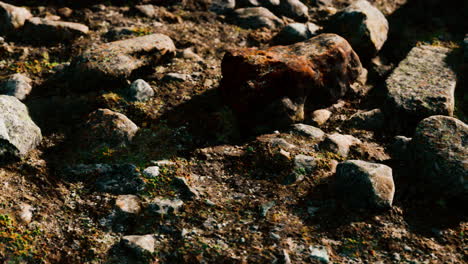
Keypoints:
(44, 30)
(295, 32)
(440, 151)
(255, 17)
(17, 85)
(339, 144)
(115, 61)
(422, 85)
(140, 91)
(12, 17)
(364, 184)
(363, 25)
(271, 87)
(18, 133)
(105, 128)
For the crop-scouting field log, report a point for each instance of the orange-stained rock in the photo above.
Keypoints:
(271, 87)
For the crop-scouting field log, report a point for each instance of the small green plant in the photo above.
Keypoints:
(142, 31)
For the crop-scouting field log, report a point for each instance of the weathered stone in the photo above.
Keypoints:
(400, 148)
(255, 17)
(106, 128)
(151, 172)
(186, 189)
(175, 77)
(146, 10)
(304, 163)
(422, 85)
(339, 144)
(222, 6)
(140, 245)
(308, 131)
(319, 253)
(110, 178)
(12, 17)
(364, 184)
(321, 116)
(363, 25)
(25, 213)
(140, 91)
(17, 85)
(440, 152)
(44, 30)
(115, 61)
(295, 32)
(271, 87)
(368, 120)
(294, 9)
(163, 206)
(129, 204)
(18, 133)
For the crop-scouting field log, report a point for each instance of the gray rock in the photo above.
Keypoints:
(17, 85)
(146, 10)
(304, 163)
(190, 55)
(110, 178)
(256, 17)
(106, 128)
(117, 33)
(187, 191)
(128, 204)
(295, 32)
(44, 30)
(400, 148)
(339, 144)
(222, 6)
(18, 133)
(362, 184)
(368, 120)
(140, 91)
(265, 207)
(12, 17)
(163, 206)
(321, 116)
(440, 150)
(114, 62)
(25, 213)
(176, 77)
(140, 245)
(308, 131)
(319, 253)
(151, 172)
(294, 9)
(363, 25)
(422, 85)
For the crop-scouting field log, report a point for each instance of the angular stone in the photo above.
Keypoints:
(18, 133)
(271, 87)
(308, 131)
(321, 116)
(129, 204)
(295, 32)
(319, 253)
(255, 17)
(17, 85)
(44, 30)
(151, 172)
(339, 144)
(12, 17)
(115, 61)
(363, 25)
(140, 91)
(440, 152)
(422, 85)
(147, 10)
(140, 245)
(163, 206)
(106, 128)
(364, 184)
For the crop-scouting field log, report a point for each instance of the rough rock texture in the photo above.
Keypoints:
(44, 30)
(163, 206)
(106, 128)
(295, 32)
(422, 85)
(115, 61)
(222, 6)
(272, 86)
(140, 245)
(339, 144)
(369, 120)
(364, 184)
(307, 131)
(321, 116)
(294, 9)
(363, 25)
(128, 203)
(12, 17)
(255, 17)
(17, 85)
(440, 151)
(140, 90)
(18, 133)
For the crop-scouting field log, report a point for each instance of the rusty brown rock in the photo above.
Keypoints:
(271, 87)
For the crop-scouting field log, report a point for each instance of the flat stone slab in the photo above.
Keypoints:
(422, 85)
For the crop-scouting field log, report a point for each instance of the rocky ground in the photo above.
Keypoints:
(157, 131)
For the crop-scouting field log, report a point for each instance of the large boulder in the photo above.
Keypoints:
(440, 151)
(366, 185)
(17, 85)
(18, 133)
(255, 17)
(422, 85)
(363, 25)
(12, 17)
(43, 30)
(114, 62)
(272, 86)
